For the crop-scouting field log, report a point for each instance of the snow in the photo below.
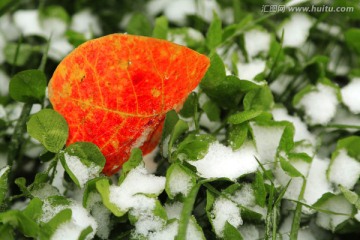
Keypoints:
(28, 21)
(206, 122)
(225, 210)
(173, 210)
(3, 170)
(129, 194)
(177, 10)
(350, 95)
(72, 229)
(246, 197)
(267, 139)
(223, 162)
(280, 84)
(336, 204)
(343, 163)
(82, 172)
(80, 220)
(285, 229)
(170, 232)
(317, 183)
(296, 30)
(147, 224)
(58, 178)
(301, 130)
(100, 213)
(320, 105)
(179, 181)
(344, 117)
(249, 232)
(45, 191)
(87, 23)
(7, 27)
(249, 70)
(149, 160)
(256, 41)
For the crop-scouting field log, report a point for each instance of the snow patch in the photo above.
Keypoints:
(296, 30)
(256, 41)
(351, 97)
(249, 70)
(222, 161)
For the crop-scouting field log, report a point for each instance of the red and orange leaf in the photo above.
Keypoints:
(114, 91)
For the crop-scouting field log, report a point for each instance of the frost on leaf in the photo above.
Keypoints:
(114, 91)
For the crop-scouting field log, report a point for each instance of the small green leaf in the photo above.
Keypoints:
(103, 187)
(237, 134)
(351, 144)
(288, 168)
(179, 128)
(231, 232)
(214, 33)
(134, 161)
(194, 147)
(49, 128)
(50, 227)
(244, 116)
(259, 99)
(20, 221)
(139, 25)
(352, 197)
(352, 37)
(85, 158)
(34, 209)
(18, 55)
(75, 38)
(190, 105)
(259, 189)
(161, 28)
(54, 11)
(212, 110)
(84, 233)
(28, 86)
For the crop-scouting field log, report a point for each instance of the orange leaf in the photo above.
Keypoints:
(114, 91)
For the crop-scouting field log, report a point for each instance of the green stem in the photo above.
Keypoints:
(297, 216)
(186, 212)
(17, 137)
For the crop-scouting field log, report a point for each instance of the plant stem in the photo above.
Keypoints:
(297, 216)
(16, 138)
(186, 212)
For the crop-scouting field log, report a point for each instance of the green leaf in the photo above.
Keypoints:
(214, 33)
(352, 197)
(259, 99)
(231, 232)
(85, 157)
(34, 209)
(139, 25)
(28, 86)
(50, 227)
(194, 147)
(244, 116)
(84, 233)
(49, 128)
(237, 134)
(212, 110)
(54, 11)
(20, 221)
(75, 38)
(179, 128)
(103, 187)
(134, 161)
(18, 55)
(161, 28)
(351, 144)
(224, 90)
(259, 189)
(189, 108)
(288, 168)
(6, 232)
(352, 37)
(4, 173)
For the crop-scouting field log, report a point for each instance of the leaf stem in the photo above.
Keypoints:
(297, 216)
(186, 212)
